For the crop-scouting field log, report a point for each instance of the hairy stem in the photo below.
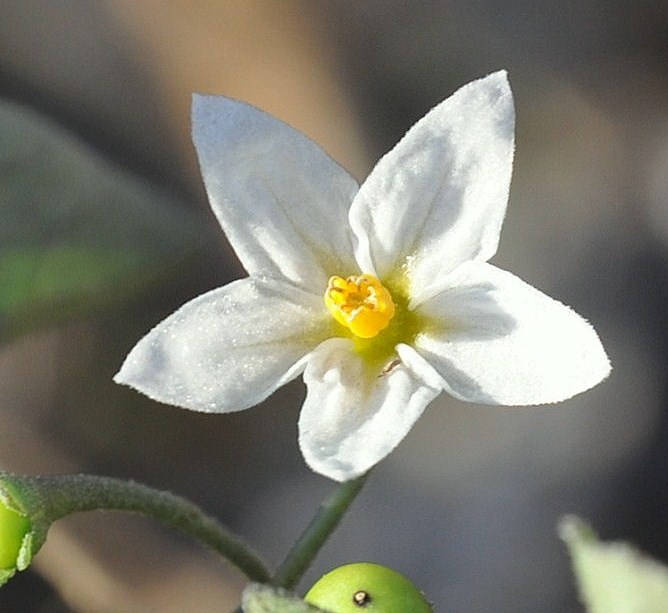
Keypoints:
(48, 498)
(328, 517)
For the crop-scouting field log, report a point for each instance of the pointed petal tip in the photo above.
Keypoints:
(501, 75)
(533, 350)
(498, 76)
(498, 81)
(121, 377)
(202, 108)
(201, 101)
(599, 363)
(332, 467)
(438, 198)
(128, 375)
(595, 369)
(351, 418)
(197, 110)
(595, 363)
(332, 472)
(196, 101)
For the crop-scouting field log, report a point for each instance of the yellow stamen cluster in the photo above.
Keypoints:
(360, 303)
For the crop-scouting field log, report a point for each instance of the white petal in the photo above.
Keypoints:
(228, 349)
(439, 197)
(496, 340)
(282, 202)
(354, 416)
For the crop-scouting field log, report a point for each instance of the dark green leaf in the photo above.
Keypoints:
(76, 232)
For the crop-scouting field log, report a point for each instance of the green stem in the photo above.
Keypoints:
(328, 517)
(50, 498)
(315, 535)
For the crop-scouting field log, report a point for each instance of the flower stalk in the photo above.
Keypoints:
(316, 534)
(328, 517)
(45, 499)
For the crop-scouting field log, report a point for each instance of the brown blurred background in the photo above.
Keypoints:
(467, 505)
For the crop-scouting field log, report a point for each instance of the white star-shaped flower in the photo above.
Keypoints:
(381, 295)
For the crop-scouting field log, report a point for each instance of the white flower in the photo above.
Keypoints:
(380, 294)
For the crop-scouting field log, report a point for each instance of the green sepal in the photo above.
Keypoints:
(6, 575)
(258, 598)
(27, 550)
(23, 559)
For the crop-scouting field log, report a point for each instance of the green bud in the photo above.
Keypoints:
(372, 588)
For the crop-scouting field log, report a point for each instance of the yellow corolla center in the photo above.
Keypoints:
(360, 303)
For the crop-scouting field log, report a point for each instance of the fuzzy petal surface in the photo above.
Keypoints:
(439, 197)
(353, 415)
(494, 339)
(281, 200)
(228, 349)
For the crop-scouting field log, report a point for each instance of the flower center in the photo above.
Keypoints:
(360, 303)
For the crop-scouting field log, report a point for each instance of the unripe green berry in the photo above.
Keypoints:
(366, 588)
(13, 528)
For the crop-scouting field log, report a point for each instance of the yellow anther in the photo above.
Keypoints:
(360, 303)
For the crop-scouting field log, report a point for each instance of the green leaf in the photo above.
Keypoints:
(76, 233)
(259, 598)
(32, 277)
(614, 577)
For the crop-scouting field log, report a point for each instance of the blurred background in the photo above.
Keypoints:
(105, 230)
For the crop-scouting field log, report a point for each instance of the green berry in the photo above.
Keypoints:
(13, 527)
(366, 588)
